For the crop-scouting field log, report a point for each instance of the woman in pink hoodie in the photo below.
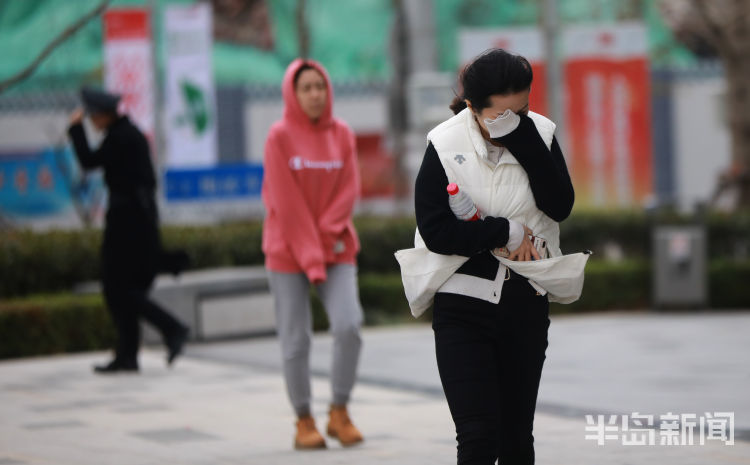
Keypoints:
(310, 185)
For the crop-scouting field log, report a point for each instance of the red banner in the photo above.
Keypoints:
(608, 114)
(377, 168)
(607, 103)
(128, 64)
(126, 24)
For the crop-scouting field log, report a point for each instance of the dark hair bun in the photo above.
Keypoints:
(457, 105)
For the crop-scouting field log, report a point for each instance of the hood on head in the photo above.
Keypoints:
(99, 101)
(292, 109)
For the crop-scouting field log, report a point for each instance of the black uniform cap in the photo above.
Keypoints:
(99, 101)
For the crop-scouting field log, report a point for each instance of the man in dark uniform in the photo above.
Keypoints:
(131, 249)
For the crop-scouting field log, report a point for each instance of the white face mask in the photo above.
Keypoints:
(502, 125)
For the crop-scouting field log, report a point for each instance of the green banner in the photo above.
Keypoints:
(256, 39)
(349, 37)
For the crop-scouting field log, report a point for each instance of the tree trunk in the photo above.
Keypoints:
(726, 25)
(738, 116)
(303, 32)
(398, 120)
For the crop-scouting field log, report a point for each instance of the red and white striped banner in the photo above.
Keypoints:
(128, 64)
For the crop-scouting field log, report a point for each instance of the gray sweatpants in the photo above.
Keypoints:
(340, 297)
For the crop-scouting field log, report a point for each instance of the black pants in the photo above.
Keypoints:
(127, 303)
(490, 361)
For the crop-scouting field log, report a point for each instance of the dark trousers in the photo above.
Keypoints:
(127, 303)
(490, 359)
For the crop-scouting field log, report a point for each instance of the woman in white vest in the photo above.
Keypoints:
(490, 323)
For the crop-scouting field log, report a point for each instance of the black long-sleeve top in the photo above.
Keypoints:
(124, 154)
(443, 233)
(546, 168)
(131, 235)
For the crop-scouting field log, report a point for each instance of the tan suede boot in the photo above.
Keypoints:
(340, 426)
(308, 436)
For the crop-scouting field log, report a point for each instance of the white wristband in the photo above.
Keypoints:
(515, 235)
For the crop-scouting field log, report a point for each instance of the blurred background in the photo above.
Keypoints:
(651, 98)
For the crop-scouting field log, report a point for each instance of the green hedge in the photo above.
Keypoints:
(592, 231)
(384, 300)
(33, 263)
(729, 236)
(728, 283)
(68, 323)
(54, 261)
(380, 238)
(617, 286)
(48, 324)
(608, 286)
(221, 245)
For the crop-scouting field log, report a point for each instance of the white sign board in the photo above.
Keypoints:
(190, 114)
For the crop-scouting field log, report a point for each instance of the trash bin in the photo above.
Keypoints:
(679, 266)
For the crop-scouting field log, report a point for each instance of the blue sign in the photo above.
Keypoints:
(41, 183)
(221, 182)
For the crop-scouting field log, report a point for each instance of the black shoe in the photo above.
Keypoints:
(176, 343)
(117, 366)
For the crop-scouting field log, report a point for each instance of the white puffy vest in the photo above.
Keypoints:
(500, 190)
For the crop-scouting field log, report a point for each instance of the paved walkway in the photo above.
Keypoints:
(225, 403)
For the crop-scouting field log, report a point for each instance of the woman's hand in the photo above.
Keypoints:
(526, 251)
(76, 117)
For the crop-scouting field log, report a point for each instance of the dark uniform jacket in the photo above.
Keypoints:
(131, 245)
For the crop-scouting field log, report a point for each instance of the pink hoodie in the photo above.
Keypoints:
(310, 185)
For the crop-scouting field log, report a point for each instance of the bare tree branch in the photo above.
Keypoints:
(740, 26)
(67, 33)
(714, 27)
(303, 30)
